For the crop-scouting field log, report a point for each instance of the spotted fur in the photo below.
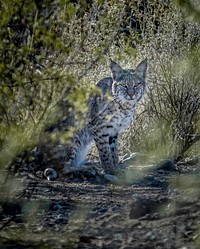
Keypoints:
(110, 112)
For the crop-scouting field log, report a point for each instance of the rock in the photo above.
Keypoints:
(140, 207)
(166, 164)
(11, 208)
(50, 174)
(143, 206)
(116, 208)
(103, 210)
(152, 181)
(55, 206)
(61, 218)
(150, 236)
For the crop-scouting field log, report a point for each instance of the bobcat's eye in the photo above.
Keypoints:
(137, 84)
(121, 85)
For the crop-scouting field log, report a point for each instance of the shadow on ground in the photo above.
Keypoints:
(161, 209)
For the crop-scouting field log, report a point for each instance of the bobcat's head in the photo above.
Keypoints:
(128, 85)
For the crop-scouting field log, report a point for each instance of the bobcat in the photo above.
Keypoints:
(107, 115)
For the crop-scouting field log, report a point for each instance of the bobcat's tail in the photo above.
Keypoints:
(81, 144)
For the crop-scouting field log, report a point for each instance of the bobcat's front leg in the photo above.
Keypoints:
(105, 155)
(113, 143)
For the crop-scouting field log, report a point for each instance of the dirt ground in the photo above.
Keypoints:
(160, 209)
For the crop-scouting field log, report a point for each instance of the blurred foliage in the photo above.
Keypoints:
(190, 8)
(46, 50)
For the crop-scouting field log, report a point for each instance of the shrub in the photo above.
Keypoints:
(52, 53)
(167, 123)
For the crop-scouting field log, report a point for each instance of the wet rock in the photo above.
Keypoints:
(50, 174)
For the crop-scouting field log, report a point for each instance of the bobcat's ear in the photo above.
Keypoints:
(116, 70)
(142, 68)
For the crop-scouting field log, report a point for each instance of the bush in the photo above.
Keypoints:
(167, 123)
(54, 52)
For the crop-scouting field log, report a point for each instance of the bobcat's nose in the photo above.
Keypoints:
(131, 95)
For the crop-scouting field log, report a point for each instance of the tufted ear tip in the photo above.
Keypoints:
(116, 70)
(142, 67)
(113, 63)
